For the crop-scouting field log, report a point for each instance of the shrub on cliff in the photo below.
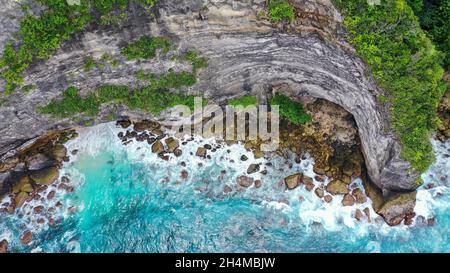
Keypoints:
(244, 101)
(146, 47)
(290, 109)
(280, 10)
(406, 64)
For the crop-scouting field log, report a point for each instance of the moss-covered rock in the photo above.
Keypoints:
(337, 187)
(172, 144)
(22, 183)
(46, 176)
(157, 147)
(20, 198)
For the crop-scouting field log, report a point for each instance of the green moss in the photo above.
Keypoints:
(146, 47)
(290, 109)
(89, 64)
(280, 10)
(406, 64)
(244, 101)
(196, 61)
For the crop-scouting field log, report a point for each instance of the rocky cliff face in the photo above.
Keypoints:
(247, 54)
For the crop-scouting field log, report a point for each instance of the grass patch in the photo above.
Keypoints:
(153, 98)
(146, 47)
(406, 64)
(244, 101)
(291, 110)
(280, 10)
(196, 61)
(89, 64)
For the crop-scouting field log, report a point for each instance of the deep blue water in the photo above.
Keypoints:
(128, 200)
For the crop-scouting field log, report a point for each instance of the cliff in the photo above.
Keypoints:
(247, 54)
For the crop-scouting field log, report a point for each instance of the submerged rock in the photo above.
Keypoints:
(293, 181)
(245, 181)
(3, 246)
(27, 237)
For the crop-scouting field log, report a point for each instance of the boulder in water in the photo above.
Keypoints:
(293, 181)
(201, 152)
(157, 147)
(245, 181)
(253, 168)
(337, 187)
(172, 144)
(3, 246)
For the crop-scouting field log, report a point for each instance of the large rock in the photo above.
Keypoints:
(45, 176)
(157, 147)
(253, 168)
(245, 181)
(172, 144)
(3, 246)
(293, 181)
(348, 200)
(39, 161)
(398, 208)
(201, 152)
(337, 187)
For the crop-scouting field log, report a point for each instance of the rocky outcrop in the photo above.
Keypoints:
(247, 54)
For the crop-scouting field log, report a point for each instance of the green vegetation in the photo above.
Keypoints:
(39, 37)
(153, 98)
(89, 64)
(280, 10)
(197, 62)
(406, 64)
(290, 109)
(244, 101)
(434, 18)
(145, 47)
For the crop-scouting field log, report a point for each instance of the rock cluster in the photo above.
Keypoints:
(33, 167)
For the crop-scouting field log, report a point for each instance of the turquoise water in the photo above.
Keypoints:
(127, 200)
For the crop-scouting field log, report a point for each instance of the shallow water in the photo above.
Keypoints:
(128, 200)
